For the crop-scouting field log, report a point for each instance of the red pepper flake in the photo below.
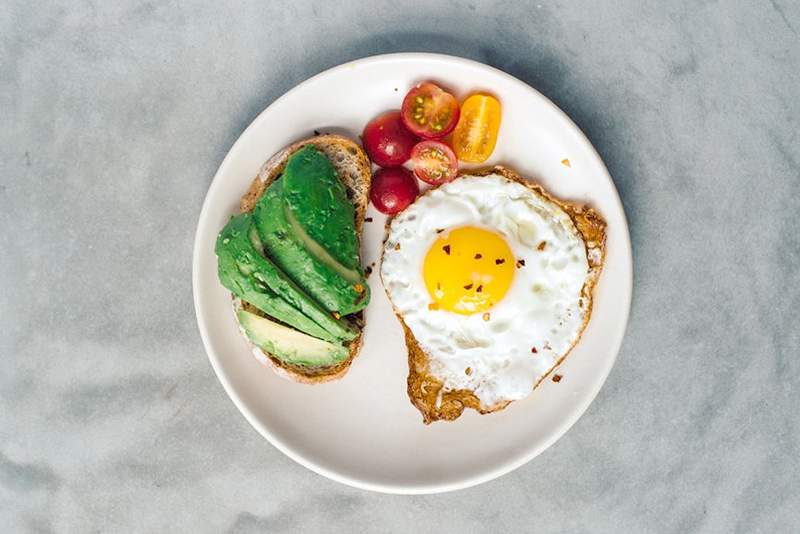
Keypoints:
(533, 350)
(557, 378)
(520, 263)
(479, 289)
(397, 246)
(367, 219)
(439, 230)
(468, 286)
(478, 256)
(499, 261)
(336, 315)
(367, 270)
(486, 316)
(541, 246)
(468, 371)
(446, 249)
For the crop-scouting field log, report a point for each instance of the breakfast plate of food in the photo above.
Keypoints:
(412, 273)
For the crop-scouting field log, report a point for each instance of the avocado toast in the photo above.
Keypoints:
(291, 259)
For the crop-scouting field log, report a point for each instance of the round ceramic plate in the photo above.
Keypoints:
(362, 430)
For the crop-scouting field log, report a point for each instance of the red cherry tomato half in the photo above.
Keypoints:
(429, 111)
(393, 190)
(387, 141)
(434, 162)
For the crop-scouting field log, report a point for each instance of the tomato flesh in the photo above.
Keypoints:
(476, 134)
(429, 111)
(387, 141)
(393, 190)
(434, 162)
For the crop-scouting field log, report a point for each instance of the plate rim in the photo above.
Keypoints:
(502, 468)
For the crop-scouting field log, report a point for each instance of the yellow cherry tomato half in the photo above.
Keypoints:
(476, 133)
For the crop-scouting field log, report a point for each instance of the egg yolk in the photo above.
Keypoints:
(468, 270)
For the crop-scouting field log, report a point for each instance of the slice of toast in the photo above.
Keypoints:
(426, 391)
(353, 168)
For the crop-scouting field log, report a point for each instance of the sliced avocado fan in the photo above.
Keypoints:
(309, 232)
(248, 274)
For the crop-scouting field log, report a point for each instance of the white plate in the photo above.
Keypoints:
(362, 430)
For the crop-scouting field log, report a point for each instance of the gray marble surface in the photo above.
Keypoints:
(114, 117)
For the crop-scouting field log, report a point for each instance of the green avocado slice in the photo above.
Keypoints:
(290, 346)
(264, 299)
(338, 288)
(246, 272)
(318, 201)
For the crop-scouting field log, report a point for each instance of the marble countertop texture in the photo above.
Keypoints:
(114, 117)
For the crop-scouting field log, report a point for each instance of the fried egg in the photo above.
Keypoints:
(488, 277)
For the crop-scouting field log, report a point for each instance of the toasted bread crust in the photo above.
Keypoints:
(353, 168)
(426, 391)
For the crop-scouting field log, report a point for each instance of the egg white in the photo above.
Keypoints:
(542, 310)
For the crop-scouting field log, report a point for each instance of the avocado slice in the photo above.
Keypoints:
(260, 296)
(290, 346)
(318, 200)
(338, 288)
(246, 272)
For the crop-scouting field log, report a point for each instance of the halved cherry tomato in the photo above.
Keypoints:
(429, 111)
(476, 134)
(434, 162)
(387, 141)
